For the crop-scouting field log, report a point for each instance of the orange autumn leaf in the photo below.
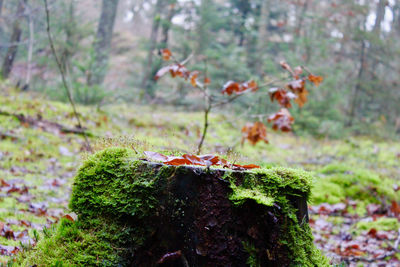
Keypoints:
(193, 78)
(282, 120)
(230, 87)
(299, 89)
(254, 132)
(297, 85)
(189, 159)
(301, 98)
(316, 80)
(282, 96)
(166, 54)
(234, 87)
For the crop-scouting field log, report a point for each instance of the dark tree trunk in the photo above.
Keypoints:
(300, 18)
(1, 6)
(380, 14)
(358, 86)
(70, 39)
(146, 82)
(262, 41)
(166, 25)
(14, 40)
(102, 43)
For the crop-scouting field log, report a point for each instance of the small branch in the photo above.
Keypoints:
(186, 60)
(67, 90)
(207, 108)
(45, 124)
(221, 103)
(205, 127)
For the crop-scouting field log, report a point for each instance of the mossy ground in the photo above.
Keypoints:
(344, 169)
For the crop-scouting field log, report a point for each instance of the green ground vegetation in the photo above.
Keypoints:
(351, 168)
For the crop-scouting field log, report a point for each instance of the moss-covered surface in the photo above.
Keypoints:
(120, 200)
(339, 182)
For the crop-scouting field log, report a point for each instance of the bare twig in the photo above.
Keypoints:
(67, 90)
(207, 108)
(45, 124)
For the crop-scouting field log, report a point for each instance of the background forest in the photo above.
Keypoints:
(353, 44)
(346, 134)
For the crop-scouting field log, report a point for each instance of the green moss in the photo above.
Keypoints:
(341, 181)
(385, 224)
(70, 245)
(252, 251)
(240, 195)
(279, 185)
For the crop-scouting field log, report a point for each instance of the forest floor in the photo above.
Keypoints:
(354, 210)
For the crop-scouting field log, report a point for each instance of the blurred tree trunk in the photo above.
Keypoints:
(146, 82)
(1, 6)
(398, 18)
(380, 14)
(244, 8)
(14, 40)
(358, 85)
(368, 64)
(300, 18)
(70, 40)
(102, 43)
(262, 35)
(203, 26)
(166, 25)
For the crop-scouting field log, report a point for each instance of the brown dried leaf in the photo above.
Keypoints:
(166, 54)
(282, 96)
(230, 87)
(154, 156)
(283, 120)
(254, 132)
(71, 216)
(193, 78)
(286, 66)
(316, 80)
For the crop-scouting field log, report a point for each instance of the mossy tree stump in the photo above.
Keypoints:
(133, 212)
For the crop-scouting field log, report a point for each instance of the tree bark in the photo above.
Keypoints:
(15, 38)
(145, 85)
(102, 43)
